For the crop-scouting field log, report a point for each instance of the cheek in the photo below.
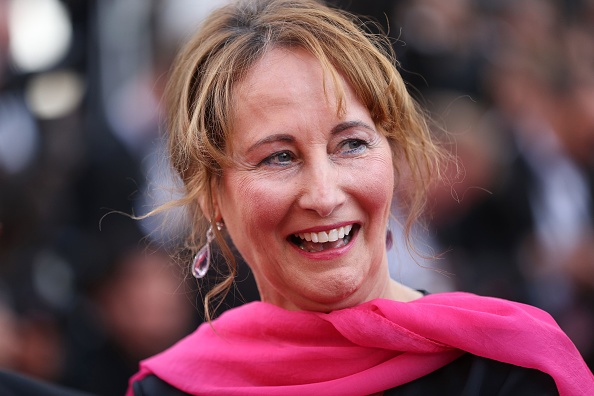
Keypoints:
(377, 185)
(250, 205)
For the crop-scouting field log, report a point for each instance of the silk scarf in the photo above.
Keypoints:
(261, 349)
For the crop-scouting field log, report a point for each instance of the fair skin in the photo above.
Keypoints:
(301, 174)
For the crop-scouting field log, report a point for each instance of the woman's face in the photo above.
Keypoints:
(308, 197)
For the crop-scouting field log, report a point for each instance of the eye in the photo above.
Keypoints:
(353, 146)
(281, 158)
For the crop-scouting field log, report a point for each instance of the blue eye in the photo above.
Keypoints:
(282, 158)
(354, 146)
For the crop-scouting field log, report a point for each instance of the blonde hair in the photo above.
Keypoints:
(229, 42)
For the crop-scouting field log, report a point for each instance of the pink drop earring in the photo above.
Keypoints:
(201, 261)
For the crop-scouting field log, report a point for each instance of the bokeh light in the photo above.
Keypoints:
(40, 33)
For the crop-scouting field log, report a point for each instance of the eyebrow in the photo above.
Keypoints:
(343, 126)
(281, 137)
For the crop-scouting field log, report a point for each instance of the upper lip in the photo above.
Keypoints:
(324, 227)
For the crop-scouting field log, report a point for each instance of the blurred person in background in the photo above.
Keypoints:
(136, 306)
(62, 168)
(537, 223)
(531, 63)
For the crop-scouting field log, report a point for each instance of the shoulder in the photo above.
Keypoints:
(473, 375)
(154, 386)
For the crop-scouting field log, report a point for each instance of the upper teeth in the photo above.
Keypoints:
(326, 236)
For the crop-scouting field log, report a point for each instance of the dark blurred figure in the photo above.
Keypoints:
(62, 260)
(533, 235)
(137, 307)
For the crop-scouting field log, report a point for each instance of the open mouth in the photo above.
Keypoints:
(324, 240)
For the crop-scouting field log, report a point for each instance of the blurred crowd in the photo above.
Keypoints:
(86, 292)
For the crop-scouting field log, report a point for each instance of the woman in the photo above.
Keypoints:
(290, 129)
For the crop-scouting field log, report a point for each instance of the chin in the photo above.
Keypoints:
(333, 295)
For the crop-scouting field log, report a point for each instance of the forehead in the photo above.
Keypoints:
(289, 89)
(282, 74)
(285, 92)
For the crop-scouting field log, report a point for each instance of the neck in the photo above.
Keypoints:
(398, 292)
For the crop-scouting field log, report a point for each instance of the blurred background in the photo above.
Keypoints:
(86, 293)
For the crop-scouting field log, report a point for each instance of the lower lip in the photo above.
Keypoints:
(328, 254)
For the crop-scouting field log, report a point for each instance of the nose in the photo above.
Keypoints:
(322, 190)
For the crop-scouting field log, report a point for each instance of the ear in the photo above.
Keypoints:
(209, 203)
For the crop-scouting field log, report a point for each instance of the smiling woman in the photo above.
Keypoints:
(291, 128)
(247, 121)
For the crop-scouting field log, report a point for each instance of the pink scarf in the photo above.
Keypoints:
(261, 349)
